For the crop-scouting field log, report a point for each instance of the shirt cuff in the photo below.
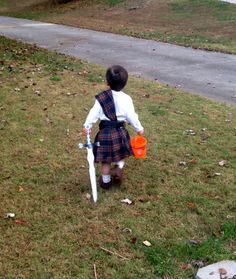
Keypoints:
(87, 126)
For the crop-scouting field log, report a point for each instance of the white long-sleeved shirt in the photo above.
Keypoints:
(124, 111)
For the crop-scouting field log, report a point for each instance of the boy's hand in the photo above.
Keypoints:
(86, 131)
(140, 133)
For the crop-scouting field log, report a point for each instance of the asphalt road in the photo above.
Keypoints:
(205, 73)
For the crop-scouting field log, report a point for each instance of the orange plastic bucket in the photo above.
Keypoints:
(139, 146)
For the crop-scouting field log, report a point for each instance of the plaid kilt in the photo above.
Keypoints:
(114, 145)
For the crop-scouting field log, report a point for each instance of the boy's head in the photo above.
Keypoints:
(117, 77)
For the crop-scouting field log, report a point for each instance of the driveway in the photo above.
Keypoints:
(210, 74)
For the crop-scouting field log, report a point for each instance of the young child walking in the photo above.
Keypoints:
(113, 108)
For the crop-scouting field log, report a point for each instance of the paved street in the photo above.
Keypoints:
(209, 74)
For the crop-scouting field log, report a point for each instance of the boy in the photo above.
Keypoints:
(113, 107)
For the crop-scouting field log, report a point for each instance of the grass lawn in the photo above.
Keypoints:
(206, 24)
(183, 200)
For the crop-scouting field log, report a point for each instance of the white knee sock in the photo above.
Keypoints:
(106, 178)
(120, 164)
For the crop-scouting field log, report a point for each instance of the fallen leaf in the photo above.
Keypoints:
(127, 230)
(88, 196)
(208, 175)
(37, 92)
(185, 266)
(178, 112)
(147, 243)
(193, 161)
(198, 264)
(20, 189)
(191, 205)
(222, 163)
(9, 215)
(222, 271)
(127, 201)
(229, 216)
(190, 132)
(193, 242)
(20, 222)
(134, 240)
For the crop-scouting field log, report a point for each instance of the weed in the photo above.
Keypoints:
(55, 78)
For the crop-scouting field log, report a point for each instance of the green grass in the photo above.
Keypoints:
(172, 258)
(221, 11)
(112, 3)
(64, 231)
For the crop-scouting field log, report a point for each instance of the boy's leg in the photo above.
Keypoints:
(105, 178)
(117, 172)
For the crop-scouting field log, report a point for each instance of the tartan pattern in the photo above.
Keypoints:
(106, 101)
(114, 142)
(114, 145)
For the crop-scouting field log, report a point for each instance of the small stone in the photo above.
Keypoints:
(217, 270)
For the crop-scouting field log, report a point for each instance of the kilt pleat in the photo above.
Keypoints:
(114, 145)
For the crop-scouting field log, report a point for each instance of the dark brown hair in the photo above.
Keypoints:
(117, 77)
